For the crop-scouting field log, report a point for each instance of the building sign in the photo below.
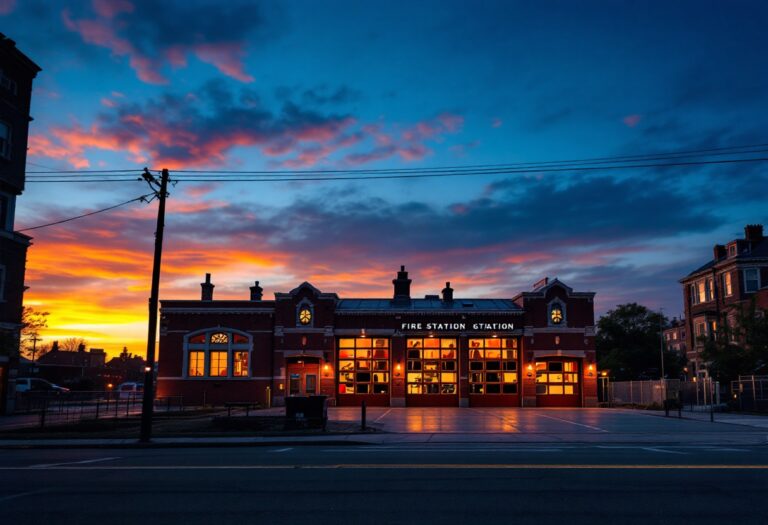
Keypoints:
(457, 326)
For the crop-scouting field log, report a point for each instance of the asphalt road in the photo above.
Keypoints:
(403, 483)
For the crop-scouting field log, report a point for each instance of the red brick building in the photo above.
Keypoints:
(536, 349)
(736, 275)
(16, 74)
(674, 336)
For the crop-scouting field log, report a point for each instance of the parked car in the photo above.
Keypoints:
(35, 384)
(130, 390)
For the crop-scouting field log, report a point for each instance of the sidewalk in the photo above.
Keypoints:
(748, 420)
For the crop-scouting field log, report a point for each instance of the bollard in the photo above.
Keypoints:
(362, 416)
(269, 397)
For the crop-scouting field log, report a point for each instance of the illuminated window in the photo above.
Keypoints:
(557, 378)
(432, 366)
(218, 364)
(493, 366)
(305, 315)
(226, 354)
(219, 338)
(196, 364)
(727, 284)
(240, 364)
(363, 366)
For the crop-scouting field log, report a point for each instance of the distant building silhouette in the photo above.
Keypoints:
(16, 74)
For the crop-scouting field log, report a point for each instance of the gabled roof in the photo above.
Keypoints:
(757, 252)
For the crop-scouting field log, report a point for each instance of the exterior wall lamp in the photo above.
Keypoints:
(398, 368)
(529, 372)
(591, 370)
(326, 370)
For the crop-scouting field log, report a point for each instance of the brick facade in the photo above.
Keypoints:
(403, 351)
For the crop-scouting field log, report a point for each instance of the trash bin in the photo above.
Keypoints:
(317, 410)
(296, 407)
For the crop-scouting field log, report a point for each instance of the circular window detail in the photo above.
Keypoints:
(305, 315)
(556, 314)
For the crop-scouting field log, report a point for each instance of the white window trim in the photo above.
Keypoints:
(744, 273)
(206, 349)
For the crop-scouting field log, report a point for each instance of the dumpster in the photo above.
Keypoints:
(306, 411)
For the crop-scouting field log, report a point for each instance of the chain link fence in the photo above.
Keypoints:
(750, 393)
(689, 395)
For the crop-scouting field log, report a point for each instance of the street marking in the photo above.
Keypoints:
(406, 466)
(282, 450)
(22, 494)
(489, 450)
(85, 462)
(381, 416)
(654, 449)
(572, 423)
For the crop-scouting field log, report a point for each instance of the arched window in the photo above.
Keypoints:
(305, 314)
(219, 353)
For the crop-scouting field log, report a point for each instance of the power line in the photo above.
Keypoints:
(729, 150)
(142, 198)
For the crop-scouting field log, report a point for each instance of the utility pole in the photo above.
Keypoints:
(34, 340)
(661, 354)
(160, 190)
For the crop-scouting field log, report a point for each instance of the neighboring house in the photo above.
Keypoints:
(674, 336)
(736, 275)
(534, 349)
(16, 74)
(81, 369)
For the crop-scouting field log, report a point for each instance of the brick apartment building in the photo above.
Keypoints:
(16, 74)
(674, 336)
(736, 275)
(535, 349)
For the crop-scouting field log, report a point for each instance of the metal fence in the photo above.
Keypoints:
(750, 392)
(51, 408)
(691, 395)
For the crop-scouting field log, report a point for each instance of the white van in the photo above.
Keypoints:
(130, 390)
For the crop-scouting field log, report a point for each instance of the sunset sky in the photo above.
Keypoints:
(350, 85)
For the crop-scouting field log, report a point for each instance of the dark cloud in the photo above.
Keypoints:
(154, 35)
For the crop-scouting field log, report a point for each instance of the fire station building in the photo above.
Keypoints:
(535, 349)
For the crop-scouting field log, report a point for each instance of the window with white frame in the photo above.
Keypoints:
(727, 284)
(709, 289)
(751, 280)
(219, 353)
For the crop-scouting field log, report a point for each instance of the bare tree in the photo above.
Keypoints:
(72, 344)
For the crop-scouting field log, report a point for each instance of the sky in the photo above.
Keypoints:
(337, 85)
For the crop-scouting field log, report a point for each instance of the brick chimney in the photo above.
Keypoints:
(753, 232)
(719, 252)
(448, 293)
(207, 286)
(402, 287)
(256, 292)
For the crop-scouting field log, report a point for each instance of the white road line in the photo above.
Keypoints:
(22, 494)
(572, 423)
(381, 416)
(84, 462)
(654, 449)
(441, 450)
(282, 450)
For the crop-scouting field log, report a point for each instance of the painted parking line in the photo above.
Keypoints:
(382, 416)
(572, 422)
(84, 462)
(281, 450)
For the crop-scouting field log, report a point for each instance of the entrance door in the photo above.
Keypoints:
(558, 383)
(302, 376)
